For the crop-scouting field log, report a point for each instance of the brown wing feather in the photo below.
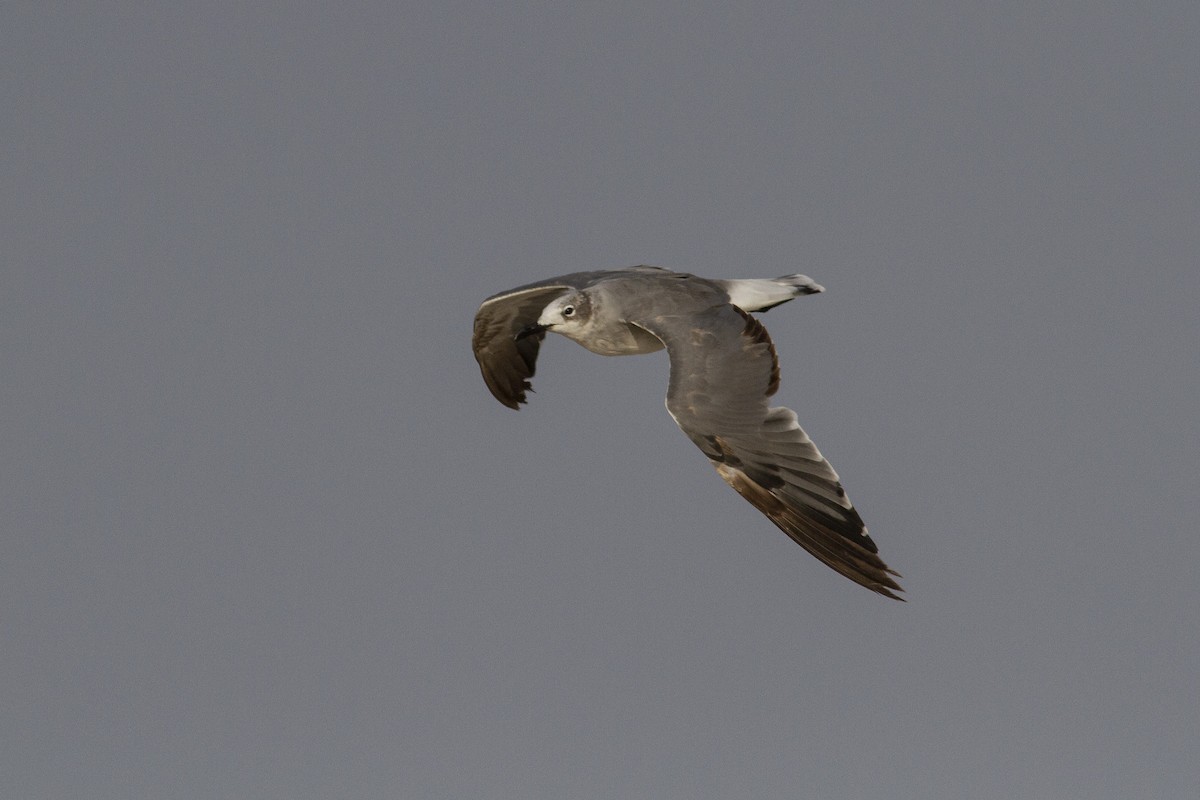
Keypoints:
(508, 364)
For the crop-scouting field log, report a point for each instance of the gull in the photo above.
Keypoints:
(723, 371)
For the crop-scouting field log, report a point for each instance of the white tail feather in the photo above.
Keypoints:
(760, 294)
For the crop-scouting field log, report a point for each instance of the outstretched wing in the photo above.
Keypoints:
(723, 369)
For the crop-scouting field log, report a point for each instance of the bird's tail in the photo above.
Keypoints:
(761, 294)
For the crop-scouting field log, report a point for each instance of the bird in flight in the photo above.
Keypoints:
(723, 371)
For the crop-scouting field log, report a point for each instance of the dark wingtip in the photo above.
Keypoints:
(886, 591)
(515, 400)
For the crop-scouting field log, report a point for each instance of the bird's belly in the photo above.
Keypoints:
(626, 340)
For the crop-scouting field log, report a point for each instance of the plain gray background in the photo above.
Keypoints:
(266, 535)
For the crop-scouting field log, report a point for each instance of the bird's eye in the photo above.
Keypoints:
(568, 311)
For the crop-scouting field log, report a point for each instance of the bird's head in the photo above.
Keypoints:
(568, 315)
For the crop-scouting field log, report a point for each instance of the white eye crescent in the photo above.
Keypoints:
(568, 311)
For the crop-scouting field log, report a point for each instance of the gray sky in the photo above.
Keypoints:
(266, 535)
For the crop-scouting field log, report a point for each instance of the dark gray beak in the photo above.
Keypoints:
(531, 330)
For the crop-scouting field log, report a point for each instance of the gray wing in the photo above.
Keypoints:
(723, 369)
(508, 364)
